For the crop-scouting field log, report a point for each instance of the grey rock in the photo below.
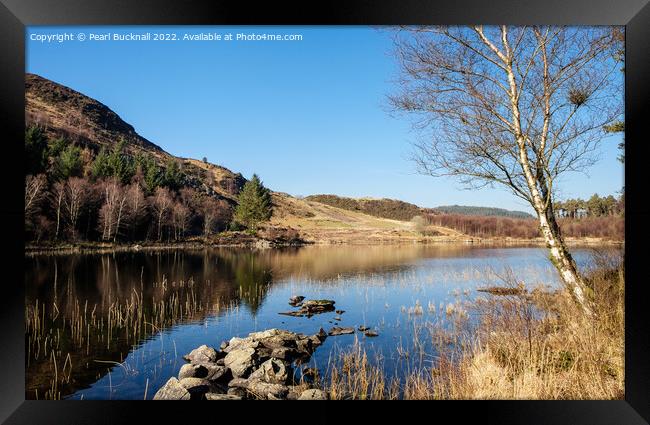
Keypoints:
(215, 396)
(202, 354)
(272, 371)
(371, 333)
(240, 362)
(313, 394)
(240, 344)
(208, 371)
(340, 331)
(296, 299)
(284, 353)
(363, 328)
(260, 389)
(172, 390)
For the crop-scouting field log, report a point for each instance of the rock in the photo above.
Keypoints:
(318, 306)
(322, 335)
(223, 345)
(272, 371)
(284, 353)
(340, 311)
(370, 333)
(241, 343)
(238, 392)
(293, 313)
(220, 362)
(260, 389)
(296, 299)
(188, 371)
(338, 318)
(279, 341)
(172, 390)
(335, 331)
(363, 328)
(195, 386)
(240, 362)
(215, 396)
(305, 346)
(266, 334)
(313, 394)
(315, 341)
(293, 393)
(202, 354)
(209, 371)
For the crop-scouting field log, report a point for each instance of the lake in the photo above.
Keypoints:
(115, 326)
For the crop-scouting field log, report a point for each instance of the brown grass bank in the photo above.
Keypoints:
(534, 345)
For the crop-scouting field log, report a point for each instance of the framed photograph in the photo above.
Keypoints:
(358, 201)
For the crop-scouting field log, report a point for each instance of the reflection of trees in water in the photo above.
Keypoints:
(160, 283)
(251, 275)
(217, 278)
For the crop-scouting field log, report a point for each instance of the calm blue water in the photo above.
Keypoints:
(375, 285)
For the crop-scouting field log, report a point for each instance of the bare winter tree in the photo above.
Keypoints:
(56, 199)
(113, 195)
(516, 106)
(34, 193)
(161, 203)
(180, 215)
(76, 196)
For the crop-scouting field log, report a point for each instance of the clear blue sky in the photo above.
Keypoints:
(308, 116)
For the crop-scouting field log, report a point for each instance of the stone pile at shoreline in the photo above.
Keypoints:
(259, 366)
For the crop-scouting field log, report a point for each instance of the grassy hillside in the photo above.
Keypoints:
(385, 208)
(79, 130)
(482, 211)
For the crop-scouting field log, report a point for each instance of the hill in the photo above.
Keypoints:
(93, 128)
(385, 208)
(481, 211)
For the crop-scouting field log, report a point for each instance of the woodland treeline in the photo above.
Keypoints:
(73, 193)
(605, 226)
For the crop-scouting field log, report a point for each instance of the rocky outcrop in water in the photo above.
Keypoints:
(310, 307)
(259, 366)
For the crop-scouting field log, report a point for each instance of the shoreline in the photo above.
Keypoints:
(250, 242)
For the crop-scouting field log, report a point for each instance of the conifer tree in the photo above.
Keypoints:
(254, 204)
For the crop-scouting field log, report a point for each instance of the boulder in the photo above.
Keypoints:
(241, 343)
(172, 390)
(296, 299)
(371, 333)
(215, 396)
(340, 331)
(318, 306)
(202, 354)
(284, 353)
(272, 371)
(363, 328)
(208, 371)
(313, 394)
(260, 389)
(195, 386)
(240, 362)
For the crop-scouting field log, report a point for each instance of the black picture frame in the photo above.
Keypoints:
(15, 15)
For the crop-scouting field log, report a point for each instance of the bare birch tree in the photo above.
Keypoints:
(516, 106)
(76, 196)
(161, 203)
(34, 193)
(56, 199)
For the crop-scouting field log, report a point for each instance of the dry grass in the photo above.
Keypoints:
(534, 345)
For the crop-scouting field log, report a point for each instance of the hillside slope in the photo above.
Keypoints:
(89, 124)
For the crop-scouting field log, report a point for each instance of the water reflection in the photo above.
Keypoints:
(95, 311)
